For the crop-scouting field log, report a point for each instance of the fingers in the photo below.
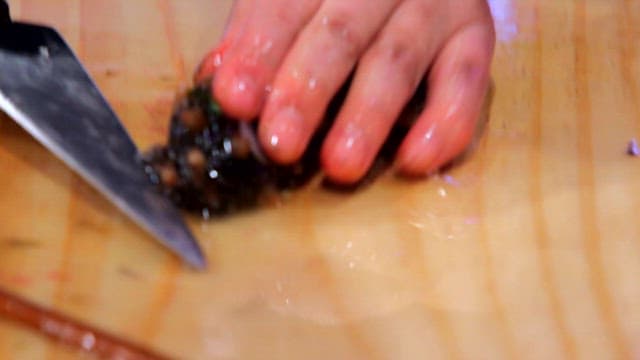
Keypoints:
(237, 20)
(317, 66)
(387, 76)
(260, 36)
(210, 63)
(457, 86)
(307, 49)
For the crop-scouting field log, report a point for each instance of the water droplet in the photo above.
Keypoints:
(241, 86)
(442, 192)
(44, 51)
(349, 244)
(352, 264)
(350, 142)
(266, 47)
(217, 60)
(275, 93)
(214, 174)
(274, 140)
(450, 180)
(88, 341)
(228, 146)
(429, 134)
(312, 83)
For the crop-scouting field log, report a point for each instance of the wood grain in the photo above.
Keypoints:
(528, 249)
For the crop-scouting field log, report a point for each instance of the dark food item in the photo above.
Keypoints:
(213, 164)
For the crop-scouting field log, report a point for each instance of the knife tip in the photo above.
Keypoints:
(197, 261)
(188, 250)
(176, 236)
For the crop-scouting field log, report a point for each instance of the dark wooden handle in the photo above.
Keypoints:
(65, 330)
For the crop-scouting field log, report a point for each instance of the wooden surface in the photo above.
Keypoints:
(531, 249)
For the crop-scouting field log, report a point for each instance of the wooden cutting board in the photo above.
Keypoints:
(528, 249)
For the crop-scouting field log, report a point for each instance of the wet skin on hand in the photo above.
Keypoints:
(282, 61)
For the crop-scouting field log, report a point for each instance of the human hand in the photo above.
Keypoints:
(284, 60)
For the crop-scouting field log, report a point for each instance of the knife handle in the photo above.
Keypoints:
(5, 17)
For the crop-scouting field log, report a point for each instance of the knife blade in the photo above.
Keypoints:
(47, 91)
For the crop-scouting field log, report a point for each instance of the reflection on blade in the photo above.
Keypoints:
(46, 90)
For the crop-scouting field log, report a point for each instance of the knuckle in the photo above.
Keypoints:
(470, 70)
(406, 59)
(403, 57)
(286, 15)
(424, 9)
(476, 59)
(342, 31)
(401, 53)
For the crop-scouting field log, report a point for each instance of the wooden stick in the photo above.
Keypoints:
(65, 330)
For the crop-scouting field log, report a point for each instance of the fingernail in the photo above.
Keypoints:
(284, 134)
(239, 96)
(419, 157)
(349, 154)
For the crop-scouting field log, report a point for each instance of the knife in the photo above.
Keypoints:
(47, 91)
